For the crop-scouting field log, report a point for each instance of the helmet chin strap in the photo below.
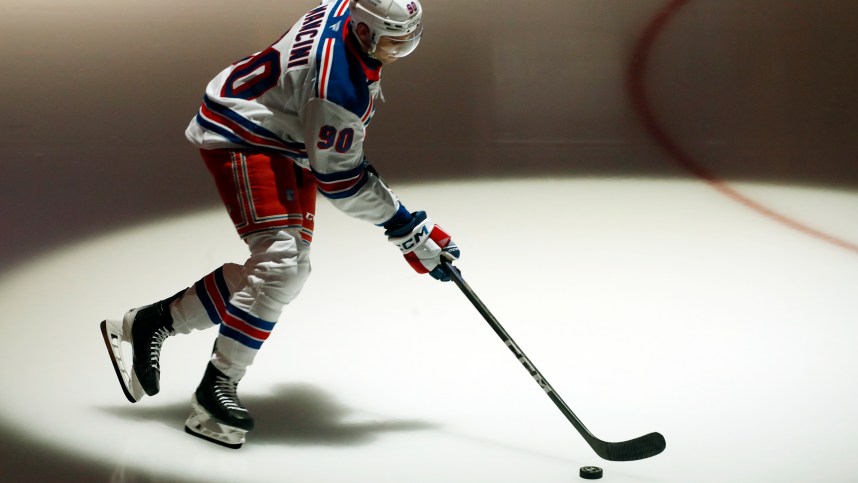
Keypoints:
(373, 43)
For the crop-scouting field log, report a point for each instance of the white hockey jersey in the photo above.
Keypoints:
(309, 96)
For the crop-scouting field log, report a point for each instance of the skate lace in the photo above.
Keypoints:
(225, 392)
(158, 339)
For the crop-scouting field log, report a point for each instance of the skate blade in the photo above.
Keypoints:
(202, 425)
(114, 335)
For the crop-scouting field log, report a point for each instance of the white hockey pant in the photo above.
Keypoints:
(246, 301)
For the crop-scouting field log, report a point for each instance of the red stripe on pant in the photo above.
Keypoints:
(263, 191)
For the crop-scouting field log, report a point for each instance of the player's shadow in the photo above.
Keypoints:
(293, 414)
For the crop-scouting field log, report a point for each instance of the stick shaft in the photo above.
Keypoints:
(456, 276)
(639, 448)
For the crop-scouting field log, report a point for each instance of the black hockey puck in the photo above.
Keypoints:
(590, 472)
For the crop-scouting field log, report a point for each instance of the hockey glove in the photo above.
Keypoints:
(422, 243)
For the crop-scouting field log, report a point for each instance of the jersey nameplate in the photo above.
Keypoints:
(303, 46)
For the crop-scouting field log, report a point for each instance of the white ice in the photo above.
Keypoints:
(650, 306)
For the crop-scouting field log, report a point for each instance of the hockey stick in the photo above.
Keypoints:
(635, 449)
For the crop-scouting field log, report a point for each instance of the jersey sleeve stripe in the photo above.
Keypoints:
(338, 186)
(370, 109)
(339, 175)
(344, 190)
(326, 65)
(342, 184)
(344, 5)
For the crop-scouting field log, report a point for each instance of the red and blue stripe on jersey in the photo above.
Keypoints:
(342, 184)
(244, 132)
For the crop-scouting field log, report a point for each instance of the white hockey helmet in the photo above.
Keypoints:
(400, 20)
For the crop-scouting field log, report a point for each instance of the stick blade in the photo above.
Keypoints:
(636, 449)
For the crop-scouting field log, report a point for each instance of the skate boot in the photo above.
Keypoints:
(216, 413)
(144, 329)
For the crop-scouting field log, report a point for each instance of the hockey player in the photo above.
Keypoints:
(273, 129)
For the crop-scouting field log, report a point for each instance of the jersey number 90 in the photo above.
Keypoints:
(253, 76)
(341, 141)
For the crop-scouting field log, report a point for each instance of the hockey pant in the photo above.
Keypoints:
(271, 201)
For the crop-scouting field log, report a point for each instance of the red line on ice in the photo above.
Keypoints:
(636, 85)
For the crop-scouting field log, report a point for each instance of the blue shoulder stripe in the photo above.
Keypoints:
(340, 74)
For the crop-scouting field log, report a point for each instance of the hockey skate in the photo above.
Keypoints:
(142, 331)
(216, 413)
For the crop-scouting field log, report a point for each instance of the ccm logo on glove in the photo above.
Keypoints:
(422, 242)
(410, 244)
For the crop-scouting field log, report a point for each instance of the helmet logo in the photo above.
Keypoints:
(412, 8)
(389, 18)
